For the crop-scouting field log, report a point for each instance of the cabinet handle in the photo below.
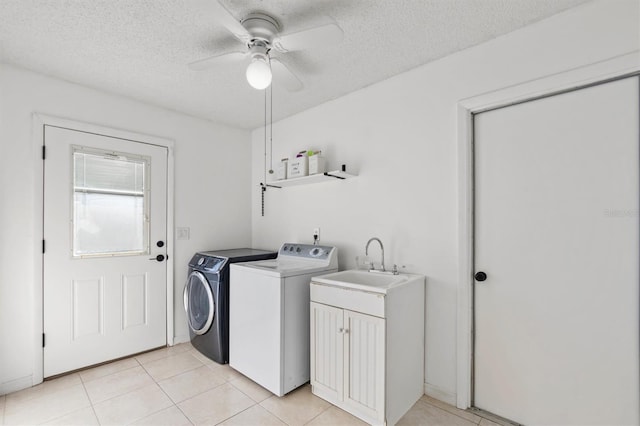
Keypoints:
(341, 330)
(346, 331)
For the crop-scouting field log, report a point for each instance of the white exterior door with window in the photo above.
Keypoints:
(105, 269)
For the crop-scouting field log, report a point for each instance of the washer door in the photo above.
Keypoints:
(198, 303)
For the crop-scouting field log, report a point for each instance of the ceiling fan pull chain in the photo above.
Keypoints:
(265, 136)
(263, 185)
(271, 130)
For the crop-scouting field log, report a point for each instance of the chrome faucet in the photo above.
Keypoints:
(366, 252)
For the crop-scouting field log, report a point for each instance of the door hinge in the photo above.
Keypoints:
(44, 152)
(42, 246)
(43, 340)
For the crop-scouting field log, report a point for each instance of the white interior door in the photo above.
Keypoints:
(556, 232)
(105, 227)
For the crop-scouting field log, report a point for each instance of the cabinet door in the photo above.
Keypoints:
(364, 360)
(327, 347)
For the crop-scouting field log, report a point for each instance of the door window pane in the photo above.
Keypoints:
(110, 203)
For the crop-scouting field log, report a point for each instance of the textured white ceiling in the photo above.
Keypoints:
(141, 48)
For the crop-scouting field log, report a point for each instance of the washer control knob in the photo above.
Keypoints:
(200, 261)
(298, 249)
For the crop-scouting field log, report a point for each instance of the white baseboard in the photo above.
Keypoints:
(440, 394)
(16, 385)
(181, 339)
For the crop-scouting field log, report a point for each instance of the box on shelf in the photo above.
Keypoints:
(316, 164)
(281, 169)
(298, 167)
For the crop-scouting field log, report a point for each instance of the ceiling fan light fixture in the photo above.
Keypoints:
(259, 72)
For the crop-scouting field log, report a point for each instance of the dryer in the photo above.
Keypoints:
(206, 298)
(269, 315)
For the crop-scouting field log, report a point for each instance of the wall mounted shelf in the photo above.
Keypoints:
(307, 180)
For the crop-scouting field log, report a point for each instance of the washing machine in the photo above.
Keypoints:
(206, 298)
(269, 315)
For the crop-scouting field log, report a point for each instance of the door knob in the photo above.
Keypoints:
(159, 258)
(480, 276)
(160, 243)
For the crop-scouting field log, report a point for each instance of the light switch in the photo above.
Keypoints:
(183, 233)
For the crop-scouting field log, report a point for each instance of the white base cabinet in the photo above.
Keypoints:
(367, 349)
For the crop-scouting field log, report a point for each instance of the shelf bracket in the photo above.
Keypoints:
(334, 176)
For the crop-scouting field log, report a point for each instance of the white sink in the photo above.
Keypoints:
(364, 280)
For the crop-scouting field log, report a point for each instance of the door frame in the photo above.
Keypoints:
(39, 120)
(611, 69)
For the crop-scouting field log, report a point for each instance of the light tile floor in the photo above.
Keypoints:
(180, 386)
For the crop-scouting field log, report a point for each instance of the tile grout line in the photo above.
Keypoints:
(177, 374)
(321, 413)
(244, 393)
(183, 413)
(175, 404)
(274, 414)
(228, 381)
(236, 414)
(114, 396)
(163, 391)
(69, 412)
(130, 391)
(93, 409)
(254, 404)
(107, 375)
(283, 420)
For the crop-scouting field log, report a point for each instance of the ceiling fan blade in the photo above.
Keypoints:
(284, 76)
(323, 35)
(213, 61)
(225, 18)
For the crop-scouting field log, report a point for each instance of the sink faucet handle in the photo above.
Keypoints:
(394, 270)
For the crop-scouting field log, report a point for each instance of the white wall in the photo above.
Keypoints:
(212, 194)
(400, 137)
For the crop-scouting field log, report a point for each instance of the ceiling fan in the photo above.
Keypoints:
(260, 33)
